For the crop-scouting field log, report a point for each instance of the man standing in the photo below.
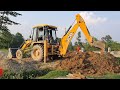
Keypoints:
(78, 49)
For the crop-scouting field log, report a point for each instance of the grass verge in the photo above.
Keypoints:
(106, 76)
(4, 50)
(54, 74)
(24, 74)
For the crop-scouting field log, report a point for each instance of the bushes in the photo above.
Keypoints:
(13, 41)
(54, 74)
(41, 74)
(87, 47)
(115, 46)
(24, 74)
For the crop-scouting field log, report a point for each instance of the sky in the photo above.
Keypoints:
(99, 23)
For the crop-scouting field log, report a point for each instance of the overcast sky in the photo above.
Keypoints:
(99, 23)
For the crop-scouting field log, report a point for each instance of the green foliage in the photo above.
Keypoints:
(79, 37)
(24, 74)
(39, 74)
(4, 18)
(17, 40)
(58, 39)
(5, 35)
(9, 40)
(4, 50)
(87, 47)
(106, 76)
(107, 38)
(78, 40)
(115, 46)
(54, 74)
(76, 43)
(70, 47)
(5, 39)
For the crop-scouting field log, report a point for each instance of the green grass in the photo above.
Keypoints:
(24, 74)
(4, 50)
(107, 76)
(118, 58)
(54, 74)
(34, 74)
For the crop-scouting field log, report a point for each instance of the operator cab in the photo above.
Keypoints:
(45, 32)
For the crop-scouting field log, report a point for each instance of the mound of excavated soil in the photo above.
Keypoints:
(89, 63)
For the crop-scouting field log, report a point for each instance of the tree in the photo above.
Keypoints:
(79, 40)
(76, 43)
(5, 35)
(5, 39)
(17, 38)
(4, 19)
(70, 47)
(107, 38)
(88, 47)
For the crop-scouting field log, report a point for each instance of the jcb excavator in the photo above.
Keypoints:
(43, 41)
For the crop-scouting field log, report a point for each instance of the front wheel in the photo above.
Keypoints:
(19, 54)
(37, 53)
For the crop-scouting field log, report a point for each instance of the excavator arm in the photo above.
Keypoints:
(65, 40)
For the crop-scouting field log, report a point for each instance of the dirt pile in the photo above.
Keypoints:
(89, 63)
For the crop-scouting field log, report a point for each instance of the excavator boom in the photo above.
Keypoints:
(65, 40)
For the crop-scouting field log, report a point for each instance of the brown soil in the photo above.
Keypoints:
(89, 63)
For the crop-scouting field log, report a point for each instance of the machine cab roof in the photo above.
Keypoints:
(45, 25)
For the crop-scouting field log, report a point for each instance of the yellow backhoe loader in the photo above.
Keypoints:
(44, 43)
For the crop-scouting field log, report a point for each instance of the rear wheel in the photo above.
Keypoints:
(37, 53)
(19, 54)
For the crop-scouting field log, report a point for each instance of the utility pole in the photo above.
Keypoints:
(65, 30)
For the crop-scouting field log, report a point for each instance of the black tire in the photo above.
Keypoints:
(37, 53)
(19, 54)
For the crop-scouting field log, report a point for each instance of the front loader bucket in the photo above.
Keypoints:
(12, 53)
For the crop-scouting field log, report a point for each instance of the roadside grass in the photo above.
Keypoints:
(118, 58)
(106, 76)
(24, 74)
(4, 50)
(34, 74)
(54, 74)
